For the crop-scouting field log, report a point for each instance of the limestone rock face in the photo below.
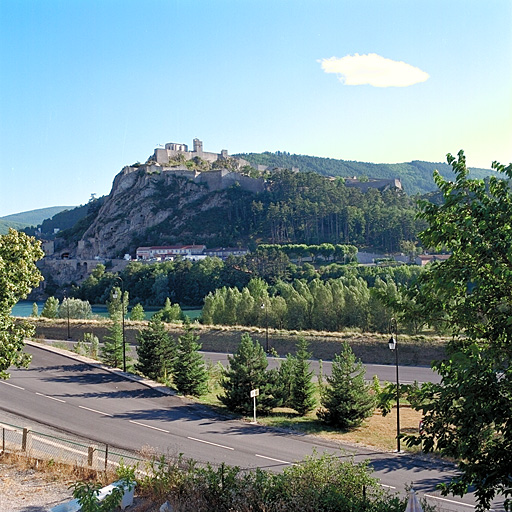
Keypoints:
(145, 199)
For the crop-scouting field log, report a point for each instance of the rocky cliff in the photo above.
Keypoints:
(151, 206)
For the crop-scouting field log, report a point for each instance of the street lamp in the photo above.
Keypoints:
(264, 307)
(394, 346)
(122, 315)
(67, 313)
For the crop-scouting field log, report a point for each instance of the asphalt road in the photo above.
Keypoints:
(62, 392)
(385, 372)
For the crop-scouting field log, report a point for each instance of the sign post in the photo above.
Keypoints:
(254, 394)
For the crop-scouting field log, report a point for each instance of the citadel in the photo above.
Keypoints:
(223, 170)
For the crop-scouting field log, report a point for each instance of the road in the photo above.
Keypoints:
(385, 372)
(62, 392)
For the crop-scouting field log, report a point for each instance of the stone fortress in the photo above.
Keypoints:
(173, 157)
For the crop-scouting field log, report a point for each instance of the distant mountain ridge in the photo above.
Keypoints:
(416, 176)
(30, 218)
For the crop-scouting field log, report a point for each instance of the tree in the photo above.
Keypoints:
(190, 375)
(303, 389)
(75, 308)
(112, 349)
(50, 308)
(18, 275)
(156, 351)
(247, 371)
(35, 310)
(170, 312)
(117, 305)
(467, 415)
(346, 400)
(137, 313)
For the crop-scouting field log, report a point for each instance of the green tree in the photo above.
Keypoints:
(18, 275)
(467, 415)
(156, 351)
(303, 389)
(137, 313)
(117, 304)
(35, 310)
(112, 349)
(170, 312)
(50, 308)
(247, 371)
(75, 308)
(346, 400)
(190, 374)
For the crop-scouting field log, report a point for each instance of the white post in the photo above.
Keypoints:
(254, 394)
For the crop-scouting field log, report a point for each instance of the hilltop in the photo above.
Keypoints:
(415, 176)
(30, 218)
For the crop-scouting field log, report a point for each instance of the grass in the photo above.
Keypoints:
(378, 431)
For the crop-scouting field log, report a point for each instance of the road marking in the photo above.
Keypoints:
(51, 398)
(149, 426)
(208, 442)
(12, 385)
(94, 410)
(388, 486)
(276, 460)
(450, 501)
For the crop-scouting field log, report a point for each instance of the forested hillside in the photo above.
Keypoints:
(416, 176)
(295, 208)
(30, 218)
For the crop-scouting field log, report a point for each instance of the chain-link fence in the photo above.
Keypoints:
(45, 446)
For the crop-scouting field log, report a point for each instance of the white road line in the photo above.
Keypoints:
(208, 442)
(149, 426)
(12, 385)
(94, 410)
(388, 486)
(275, 460)
(51, 398)
(450, 501)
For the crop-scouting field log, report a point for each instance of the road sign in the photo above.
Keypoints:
(255, 392)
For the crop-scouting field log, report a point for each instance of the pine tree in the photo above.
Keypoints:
(347, 400)
(112, 350)
(170, 312)
(35, 310)
(303, 389)
(50, 308)
(247, 371)
(156, 351)
(285, 379)
(190, 375)
(137, 313)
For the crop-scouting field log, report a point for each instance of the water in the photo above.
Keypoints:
(24, 309)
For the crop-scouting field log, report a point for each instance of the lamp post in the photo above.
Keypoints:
(264, 307)
(394, 346)
(122, 316)
(67, 314)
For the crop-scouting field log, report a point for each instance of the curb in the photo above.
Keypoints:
(94, 363)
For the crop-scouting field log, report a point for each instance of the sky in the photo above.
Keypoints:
(89, 86)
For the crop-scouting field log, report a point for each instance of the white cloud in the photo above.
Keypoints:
(372, 69)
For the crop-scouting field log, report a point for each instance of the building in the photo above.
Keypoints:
(175, 149)
(164, 252)
(379, 184)
(424, 259)
(225, 252)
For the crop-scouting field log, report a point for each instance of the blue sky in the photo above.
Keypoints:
(88, 86)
